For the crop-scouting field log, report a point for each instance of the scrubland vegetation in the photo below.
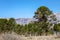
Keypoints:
(37, 28)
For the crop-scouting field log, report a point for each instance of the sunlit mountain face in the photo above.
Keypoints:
(58, 16)
(25, 20)
(28, 20)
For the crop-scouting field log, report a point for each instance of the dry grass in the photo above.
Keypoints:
(14, 36)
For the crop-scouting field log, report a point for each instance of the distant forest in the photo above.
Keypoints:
(41, 27)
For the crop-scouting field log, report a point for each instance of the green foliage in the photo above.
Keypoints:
(42, 13)
(7, 25)
(57, 27)
(40, 27)
(51, 32)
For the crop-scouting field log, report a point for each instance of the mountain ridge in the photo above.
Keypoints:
(28, 20)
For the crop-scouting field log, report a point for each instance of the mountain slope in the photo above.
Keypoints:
(25, 20)
(28, 20)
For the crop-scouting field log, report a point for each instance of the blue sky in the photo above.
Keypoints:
(25, 8)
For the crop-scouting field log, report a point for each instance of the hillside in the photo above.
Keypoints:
(58, 16)
(25, 20)
(28, 20)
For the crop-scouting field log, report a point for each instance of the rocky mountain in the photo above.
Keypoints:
(58, 16)
(25, 20)
(28, 20)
